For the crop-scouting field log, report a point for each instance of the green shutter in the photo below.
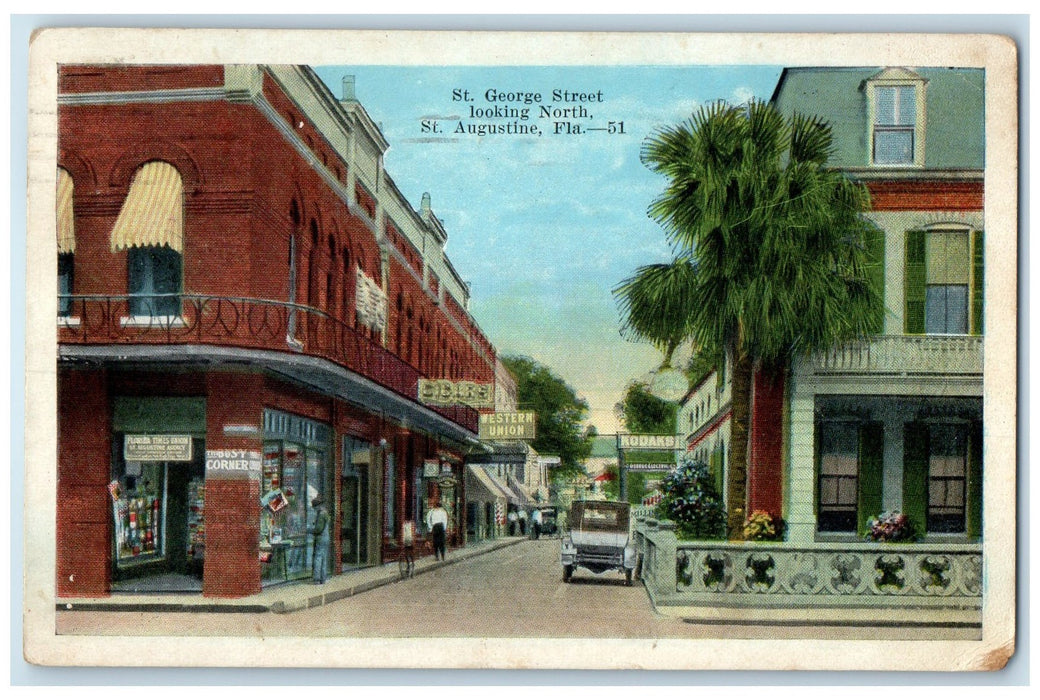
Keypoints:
(817, 436)
(915, 474)
(715, 465)
(977, 270)
(875, 244)
(871, 453)
(915, 280)
(974, 525)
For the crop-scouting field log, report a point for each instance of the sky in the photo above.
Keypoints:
(543, 226)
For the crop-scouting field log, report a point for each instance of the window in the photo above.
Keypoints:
(947, 478)
(839, 477)
(154, 275)
(66, 242)
(150, 227)
(66, 284)
(896, 118)
(944, 282)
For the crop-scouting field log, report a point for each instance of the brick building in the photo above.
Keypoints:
(246, 306)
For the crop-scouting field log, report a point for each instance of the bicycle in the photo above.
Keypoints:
(406, 561)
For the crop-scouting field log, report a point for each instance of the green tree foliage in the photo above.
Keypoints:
(561, 414)
(772, 244)
(690, 501)
(642, 412)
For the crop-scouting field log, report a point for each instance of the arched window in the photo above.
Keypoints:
(150, 227)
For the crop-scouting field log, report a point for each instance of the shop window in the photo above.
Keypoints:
(158, 509)
(293, 476)
(155, 281)
(947, 478)
(838, 477)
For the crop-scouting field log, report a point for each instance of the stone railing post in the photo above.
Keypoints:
(664, 576)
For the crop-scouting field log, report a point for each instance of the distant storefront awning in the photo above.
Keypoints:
(153, 213)
(509, 493)
(480, 487)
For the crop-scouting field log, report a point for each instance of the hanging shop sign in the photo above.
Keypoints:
(444, 392)
(646, 442)
(371, 302)
(431, 468)
(157, 448)
(233, 464)
(515, 425)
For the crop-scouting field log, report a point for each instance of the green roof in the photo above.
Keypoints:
(955, 116)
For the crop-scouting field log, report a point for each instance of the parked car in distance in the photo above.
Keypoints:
(549, 526)
(599, 539)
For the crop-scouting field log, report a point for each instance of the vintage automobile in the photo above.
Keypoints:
(549, 526)
(598, 539)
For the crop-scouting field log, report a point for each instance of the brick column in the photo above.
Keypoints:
(232, 505)
(765, 457)
(84, 507)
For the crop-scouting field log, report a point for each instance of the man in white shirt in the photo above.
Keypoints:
(437, 524)
(536, 523)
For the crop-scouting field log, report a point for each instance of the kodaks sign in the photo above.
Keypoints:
(646, 442)
(517, 425)
(444, 392)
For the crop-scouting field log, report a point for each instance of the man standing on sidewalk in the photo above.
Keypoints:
(437, 525)
(320, 530)
(536, 523)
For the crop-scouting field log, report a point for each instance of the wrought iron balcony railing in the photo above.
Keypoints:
(241, 322)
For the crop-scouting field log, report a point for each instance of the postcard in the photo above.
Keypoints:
(565, 350)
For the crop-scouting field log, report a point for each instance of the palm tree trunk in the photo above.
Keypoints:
(736, 477)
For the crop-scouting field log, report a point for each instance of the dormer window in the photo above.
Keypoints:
(896, 104)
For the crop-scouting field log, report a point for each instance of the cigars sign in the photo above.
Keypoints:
(508, 426)
(444, 392)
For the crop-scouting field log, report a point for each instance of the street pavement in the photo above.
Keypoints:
(515, 591)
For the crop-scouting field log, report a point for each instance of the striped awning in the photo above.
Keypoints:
(153, 213)
(66, 222)
(482, 488)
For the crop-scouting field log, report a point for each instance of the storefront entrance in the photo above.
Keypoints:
(354, 489)
(157, 494)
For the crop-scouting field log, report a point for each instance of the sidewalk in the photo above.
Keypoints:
(282, 598)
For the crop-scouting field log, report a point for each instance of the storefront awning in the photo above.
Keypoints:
(480, 487)
(506, 491)
(66, 222)
(153, 213)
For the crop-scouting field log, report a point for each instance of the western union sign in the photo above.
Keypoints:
(517, 425)
(646, 442)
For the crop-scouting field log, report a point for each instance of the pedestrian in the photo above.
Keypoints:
(536, 523)
(523, 523)
(512, 521)
(320, 530)
(437, 525)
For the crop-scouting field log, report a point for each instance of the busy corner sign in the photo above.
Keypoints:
(646, 442)
(444, 392)
(516, 425)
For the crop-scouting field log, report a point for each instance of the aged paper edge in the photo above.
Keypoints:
(318, 47)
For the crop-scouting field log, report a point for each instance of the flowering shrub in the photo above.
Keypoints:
(689, 499)
(891, 527)
(760, 525)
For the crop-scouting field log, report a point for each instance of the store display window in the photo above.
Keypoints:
(294, 474)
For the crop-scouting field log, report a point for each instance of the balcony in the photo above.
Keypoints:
(904, 355)
(250, 324)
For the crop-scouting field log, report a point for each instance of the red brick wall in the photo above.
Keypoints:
(232, 506)
(83, 504)
(87, 78)
(765, 457)
(919, 195)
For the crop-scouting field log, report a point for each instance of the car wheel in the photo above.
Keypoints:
(568, 571)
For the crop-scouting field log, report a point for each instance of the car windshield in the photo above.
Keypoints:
(599, 516)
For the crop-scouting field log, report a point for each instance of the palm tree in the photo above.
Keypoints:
(775, 250)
